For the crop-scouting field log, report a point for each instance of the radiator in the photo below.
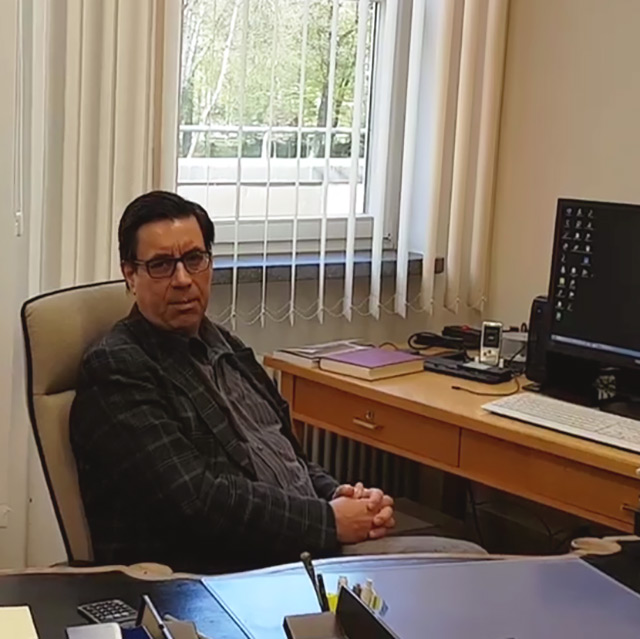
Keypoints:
(349, 461)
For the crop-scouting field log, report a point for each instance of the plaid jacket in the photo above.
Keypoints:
(163, 472)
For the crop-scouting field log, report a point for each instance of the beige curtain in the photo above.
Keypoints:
(454, 90)
(110, 126)
(480, 81)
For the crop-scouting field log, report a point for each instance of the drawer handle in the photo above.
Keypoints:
(367, 425)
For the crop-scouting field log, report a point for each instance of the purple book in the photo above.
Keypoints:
(372, 363)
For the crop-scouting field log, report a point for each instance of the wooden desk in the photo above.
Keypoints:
(422, 418)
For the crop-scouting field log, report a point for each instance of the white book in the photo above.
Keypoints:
(309, 356)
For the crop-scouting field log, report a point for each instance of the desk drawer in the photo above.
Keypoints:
(587, 491)
(375, 423)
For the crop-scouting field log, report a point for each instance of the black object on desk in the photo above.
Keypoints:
(468, 370)
(469, 335)
(109, 611)
(424, 339)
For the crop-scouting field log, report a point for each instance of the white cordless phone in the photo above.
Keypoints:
(490, 343)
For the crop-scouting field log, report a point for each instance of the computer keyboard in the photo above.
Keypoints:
(572, 419)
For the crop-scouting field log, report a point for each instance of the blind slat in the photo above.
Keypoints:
(296, 213)
(443, 61)
(236, 224)
(356, 127)
(464, 114)
(409, 153)
(265, 245)
(381, 150)
(327, 157)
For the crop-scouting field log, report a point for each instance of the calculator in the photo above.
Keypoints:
(109, 611)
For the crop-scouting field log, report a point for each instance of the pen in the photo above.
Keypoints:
(324, 602)
(308, 564)
(168, 617)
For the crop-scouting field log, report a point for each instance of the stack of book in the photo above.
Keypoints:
(310, 356)
(353, 358)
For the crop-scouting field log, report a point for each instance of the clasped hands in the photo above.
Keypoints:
(361, 513)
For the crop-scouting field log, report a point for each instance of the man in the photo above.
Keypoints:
(184, 446)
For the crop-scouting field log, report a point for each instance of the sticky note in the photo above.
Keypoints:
(16, 622)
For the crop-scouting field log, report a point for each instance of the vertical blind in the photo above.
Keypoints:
(328, 196)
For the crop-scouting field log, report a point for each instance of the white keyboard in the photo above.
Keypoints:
(588, 423)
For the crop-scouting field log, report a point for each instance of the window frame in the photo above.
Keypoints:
(250, 236)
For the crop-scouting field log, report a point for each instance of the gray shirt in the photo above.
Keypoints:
(273, 457)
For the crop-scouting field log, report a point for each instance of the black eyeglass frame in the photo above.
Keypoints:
(147, 264)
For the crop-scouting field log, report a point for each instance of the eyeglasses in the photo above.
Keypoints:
(163, 267)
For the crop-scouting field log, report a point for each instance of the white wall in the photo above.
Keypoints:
(13, 269)
(390, 327)
(570, 128)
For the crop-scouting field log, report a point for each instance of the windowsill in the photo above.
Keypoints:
(278, 267)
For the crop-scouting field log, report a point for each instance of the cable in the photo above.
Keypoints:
(414, 346)
(474, 512)
(395, 348)
(424, 340)
(510, 360)
(482, 394)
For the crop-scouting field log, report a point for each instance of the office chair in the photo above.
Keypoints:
(58, 328)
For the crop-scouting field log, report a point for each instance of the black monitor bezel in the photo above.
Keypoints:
(603, 357)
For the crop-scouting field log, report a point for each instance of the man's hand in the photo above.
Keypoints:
(375, 496)
(377, 502)
(354, 519)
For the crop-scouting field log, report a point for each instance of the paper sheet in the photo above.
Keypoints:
(16, 622)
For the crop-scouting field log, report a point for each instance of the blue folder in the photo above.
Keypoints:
(544, 598)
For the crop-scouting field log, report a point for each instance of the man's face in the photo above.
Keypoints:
(176, 303)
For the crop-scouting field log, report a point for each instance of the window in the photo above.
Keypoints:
(267, 111)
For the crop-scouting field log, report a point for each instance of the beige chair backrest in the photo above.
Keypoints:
(58, 328)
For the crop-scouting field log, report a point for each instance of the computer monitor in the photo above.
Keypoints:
(594, 290)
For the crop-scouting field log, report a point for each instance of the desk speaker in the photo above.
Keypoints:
(539, 327)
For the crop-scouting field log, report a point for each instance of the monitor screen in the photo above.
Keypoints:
(595, 282)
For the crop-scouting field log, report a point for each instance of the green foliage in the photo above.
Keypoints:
(215, 77)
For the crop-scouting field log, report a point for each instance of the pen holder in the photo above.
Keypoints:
(353, 620)
(322, 625)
